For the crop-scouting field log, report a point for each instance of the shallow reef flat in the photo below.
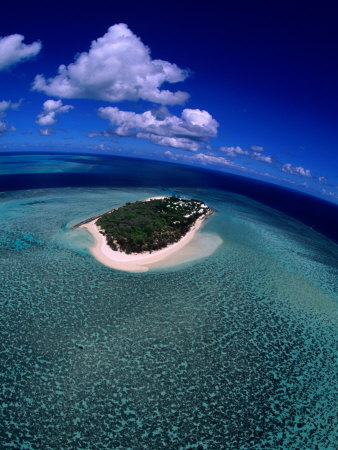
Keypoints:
(233, 350)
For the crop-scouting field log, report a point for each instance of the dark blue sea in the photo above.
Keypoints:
(235, 350)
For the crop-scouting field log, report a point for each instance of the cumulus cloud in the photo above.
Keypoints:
(212, 159)
(170, 154)
(13, 51)
(188, 132)
(8, 104)
(233, 151)
(296, 170)
(46, 131)
(256, 148)
(329, 193)
(201, 158)
(105, 133)
(4, 128)
(5, 105)
(102, 147)
(117, 67)
(50, 109)
(259, 157)
(269, 175)
(175, 142)
(323, 180)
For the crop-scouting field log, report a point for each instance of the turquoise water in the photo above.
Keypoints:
(236, 350)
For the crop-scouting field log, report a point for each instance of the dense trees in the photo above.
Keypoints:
(150, 225)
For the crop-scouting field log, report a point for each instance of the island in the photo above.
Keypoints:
(139, 234)
(147, 226)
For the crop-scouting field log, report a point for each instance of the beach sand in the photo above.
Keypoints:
(140, 262)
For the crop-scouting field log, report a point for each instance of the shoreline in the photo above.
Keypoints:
(135, 262)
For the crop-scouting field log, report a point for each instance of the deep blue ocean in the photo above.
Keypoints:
(237, 350)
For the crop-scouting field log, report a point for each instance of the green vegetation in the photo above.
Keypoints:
(145, 226)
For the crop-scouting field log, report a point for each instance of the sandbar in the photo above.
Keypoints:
(135, 262)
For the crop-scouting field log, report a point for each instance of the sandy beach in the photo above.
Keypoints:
(134, 262)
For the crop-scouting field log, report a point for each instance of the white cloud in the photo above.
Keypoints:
(259, 157)
(8, 104)
(117, 67)
(5, 105)
(233, 151)
(296, 170)
(189, 132)
(13, 51)
(105, 133)
(104, 147)
(4, 127)
(323, 180)
(269, 175)
(175, 142)
(212, 159)
(46, 131)
(256, 148)
(329, 193)
(50, 109)
(202, 158)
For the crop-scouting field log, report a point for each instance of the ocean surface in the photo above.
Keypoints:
(236, 350)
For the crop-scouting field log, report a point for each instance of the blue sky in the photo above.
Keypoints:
(241, 87)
